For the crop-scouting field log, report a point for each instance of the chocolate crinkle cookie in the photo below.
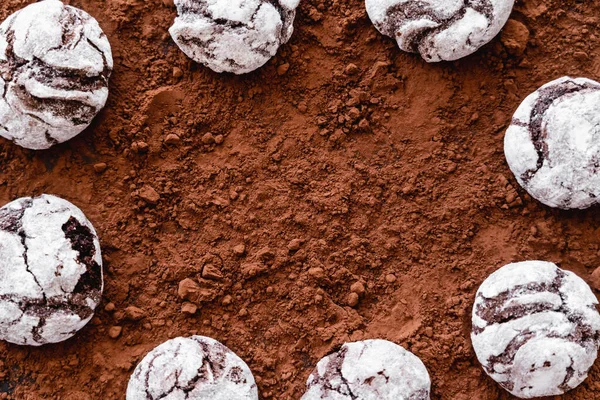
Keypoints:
(535, 330)
(553, 143)
(194, 368)
(50, 270)
(235, 36)
(369, 370)
(55, 62)
(440, 30)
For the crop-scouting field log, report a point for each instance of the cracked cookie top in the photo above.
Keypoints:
(194, 368)
(55, 63)
(50, 270)
(369, 370)
(535, 330)
(553, 143)
(440, 30)
(235, 36)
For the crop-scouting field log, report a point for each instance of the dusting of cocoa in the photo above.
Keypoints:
(360, 163)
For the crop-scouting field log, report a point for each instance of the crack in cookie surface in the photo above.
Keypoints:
(82, 241)
(547, 97)
(401, 14)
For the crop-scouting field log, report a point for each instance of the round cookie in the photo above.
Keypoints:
(50, 270)
(235, 36)
(369, 370)
(535, 330)
(194, 368)
(440, 30)
(55, 62)
(553, 143)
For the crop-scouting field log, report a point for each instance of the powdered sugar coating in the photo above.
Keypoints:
(369, 370)
(440, 29)
(55, 62)
(235, 36)
(50, 270)
(194, 368)
(553, 143)
(536, 330)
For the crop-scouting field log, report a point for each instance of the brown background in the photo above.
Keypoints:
(360, 163)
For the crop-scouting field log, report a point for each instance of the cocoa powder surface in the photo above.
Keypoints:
(270, 195)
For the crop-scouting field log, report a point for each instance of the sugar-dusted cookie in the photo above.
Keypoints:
(553, 143)
(50, 270)
(440, 30)
(535, 330)
(369, 370)
(235, 36)
(193, 368)
(55, 62)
